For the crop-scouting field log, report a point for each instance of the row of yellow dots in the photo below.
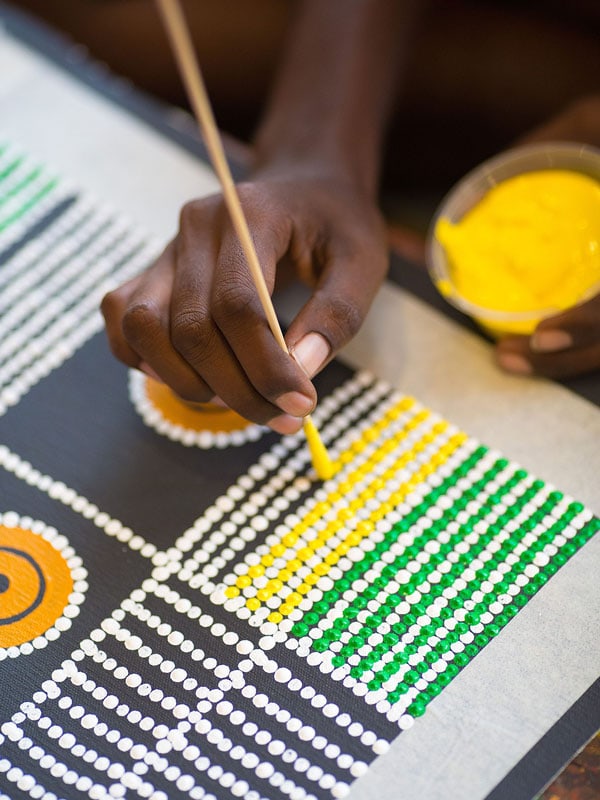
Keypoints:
(364, 527)
(347, 512)
(321, 508)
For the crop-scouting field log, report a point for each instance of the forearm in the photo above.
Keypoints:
(336, 86)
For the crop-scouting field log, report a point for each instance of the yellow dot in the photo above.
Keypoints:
(365, 527)
(263, 595)
(290, 539)
(342, 549)
(278, 550)
(294, 598)
(284, 575)
(305, 553)
(286, 608)
(332, 558)
(232, 591)
(353, 539)
(311, 579)
(275, 617)
(294, 564)
(304, 588)
(256, 571)
(267, 560)
(321, 569)
(274, 585)
(243, 581)
(253, 604)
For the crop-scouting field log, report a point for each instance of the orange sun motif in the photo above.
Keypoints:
(35, 585)
(202, 425)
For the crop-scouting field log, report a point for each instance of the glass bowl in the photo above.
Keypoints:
(469, 191)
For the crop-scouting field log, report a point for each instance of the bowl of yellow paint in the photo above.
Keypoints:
(518, 239)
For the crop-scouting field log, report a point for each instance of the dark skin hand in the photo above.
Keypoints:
(568, 343)
(193, 319)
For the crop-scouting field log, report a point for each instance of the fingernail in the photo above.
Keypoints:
(150, 372)
(311, 352)
(295, 403)
(285, 424)
(550, 341)
(216, 401)
(514, 363)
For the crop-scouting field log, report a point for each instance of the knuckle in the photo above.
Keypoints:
(109, 305)
(141, 322)
(231, 301)
(345, 318)
(189, 213)
(190, 335)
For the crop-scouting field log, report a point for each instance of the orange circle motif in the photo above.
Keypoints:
(35, 584)
(193, 416)
(204, 425)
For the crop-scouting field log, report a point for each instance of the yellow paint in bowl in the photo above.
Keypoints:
(529, 247)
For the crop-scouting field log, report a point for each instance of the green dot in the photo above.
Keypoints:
(461, 659)
(417, 708)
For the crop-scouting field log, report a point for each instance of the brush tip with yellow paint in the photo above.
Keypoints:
(324, 466)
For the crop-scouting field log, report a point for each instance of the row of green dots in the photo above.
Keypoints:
(483, 573)
(456, 570)
(22, 184)
(330, 597)
(390, 571)
(8, 170)
(27, 206)
(418, 706)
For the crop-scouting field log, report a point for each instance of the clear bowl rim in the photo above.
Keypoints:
(434, 252)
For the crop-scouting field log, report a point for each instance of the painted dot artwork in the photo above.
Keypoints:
(201, 425)
(185, 610)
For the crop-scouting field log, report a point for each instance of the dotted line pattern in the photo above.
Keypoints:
(71, 265)
(59, 491)
(23, 186)
(420, 551)
(11, 519)
(271, 487)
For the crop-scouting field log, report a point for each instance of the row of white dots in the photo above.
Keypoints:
(257, 655)
(57, 490)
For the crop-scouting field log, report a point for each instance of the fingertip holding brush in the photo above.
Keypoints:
(191, 74)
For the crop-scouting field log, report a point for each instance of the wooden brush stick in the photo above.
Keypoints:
(185, 55)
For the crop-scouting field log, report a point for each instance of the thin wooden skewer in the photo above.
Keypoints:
(185, 55)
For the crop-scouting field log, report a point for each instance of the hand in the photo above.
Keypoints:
(194, 319)
(561, 346)
(569, 343)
